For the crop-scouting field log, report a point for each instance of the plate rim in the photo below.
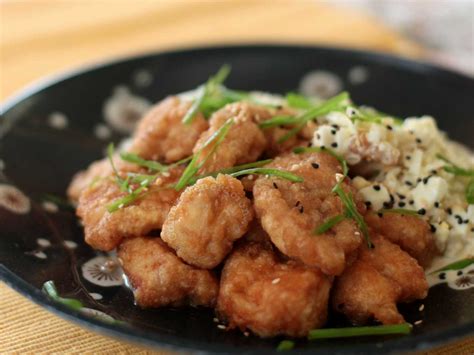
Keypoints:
(173, 342)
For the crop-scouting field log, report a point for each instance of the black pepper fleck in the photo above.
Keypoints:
(335, 126)
(459, 273)
(333, 132)
(442, 276)
(315, 165)
(389, 127)
(411, 202)
(418, 140)
(297, 203)
(368, 203)
(275, 185)
(380, 214)
(408, 157)
(436, 204)
(422, 211)
(318, 136)
(301, 209)
(408, 183)
(402, 197)
(433, 228)
(334, 145)
(449, 210)
(376, 187)
(401, 204)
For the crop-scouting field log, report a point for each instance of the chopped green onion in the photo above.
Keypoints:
(457, 265)
(278, 121)
(193, 166)
(400, 211)
(324, 108)
(342, 161)
(267, 171)
(231, 170)
(453, 169)
(351, 211)
(285, 345)
(470, 192)
(205, 92)
(50, 289)
(126, 200)
(329, 223)
(298, 101)
(403, 328)
(150, 164)
(123, 183)
(372, 115)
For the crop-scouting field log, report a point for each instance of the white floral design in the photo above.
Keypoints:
(57, 120)
(320, 83)
(14, 200)
(123, 110)
(461, 279)
(103, 271)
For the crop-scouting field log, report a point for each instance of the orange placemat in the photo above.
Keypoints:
(39, 38)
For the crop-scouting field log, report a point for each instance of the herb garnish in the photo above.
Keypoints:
(194, 166)
(285, 345)
(329, 223)
(150, 164)
(457, 265)
(298, 101)
(458, 171)
(123, 183)
(206, 92)
(372, 116)
(404, 328)
(332, 104)
(279, 121)
(268, 171)
(453, 169)
(352, 212)
(50, 289)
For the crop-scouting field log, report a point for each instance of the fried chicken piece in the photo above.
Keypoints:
(104, 230)
(379, 279)
(243, 143)
(207, 219)
(98, 169)
(289, 212)
(270, 296)
(411, 233)
(159, 278)
(161, 134)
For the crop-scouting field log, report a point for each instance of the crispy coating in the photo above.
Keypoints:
(244, 141)
(269, 296)
(380, 278)
(207, 219)
(159, 278)
(104, 230)
(411, 233)
(98, 169)
(161, 135)
(289, 212)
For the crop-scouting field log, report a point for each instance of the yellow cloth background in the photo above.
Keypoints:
(42, 37)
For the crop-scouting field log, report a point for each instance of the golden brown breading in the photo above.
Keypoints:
(161, 135)
(159, 278)
(411, 233)
(289, 212)
(207, 219)
(244, 141)
(380, 278)
(104, 230)
(269, 296)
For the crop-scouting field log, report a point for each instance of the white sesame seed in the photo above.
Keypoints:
(166, 174)
(101, 131)
(339, 177)
(215, 320)
(275, 281)
(357, 233)
(221, 326)
(422, 307)
(418, 322)
(246, 334)
(57, 120)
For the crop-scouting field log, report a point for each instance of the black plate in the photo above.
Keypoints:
(39, 158)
